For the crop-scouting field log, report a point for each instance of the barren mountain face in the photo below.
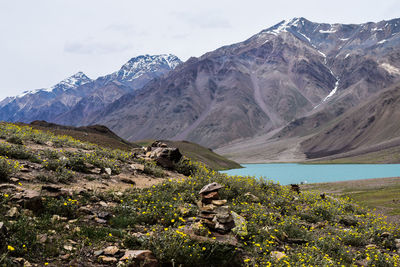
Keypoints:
(292, 70)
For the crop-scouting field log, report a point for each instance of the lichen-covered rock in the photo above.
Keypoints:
(240, 228)
(210, 188)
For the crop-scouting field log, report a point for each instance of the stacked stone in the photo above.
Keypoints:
(213, 211)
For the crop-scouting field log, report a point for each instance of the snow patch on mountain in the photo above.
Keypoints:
(391, 69)
(141, 65)
(71, 82)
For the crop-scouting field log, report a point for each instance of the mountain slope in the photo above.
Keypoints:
(294, 69)
(374, 123)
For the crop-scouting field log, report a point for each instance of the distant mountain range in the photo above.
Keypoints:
(74, 99)
(285, 85)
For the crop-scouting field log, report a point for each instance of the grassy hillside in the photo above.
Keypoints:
(66, 219)
(383, 194)
(198, 153)
(96, 134)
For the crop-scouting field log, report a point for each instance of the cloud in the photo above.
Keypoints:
(205, 20)
(93, 48)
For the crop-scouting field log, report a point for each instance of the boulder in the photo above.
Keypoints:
(12, 213)
(240, 228)
(252, 197)
(224, 218)
(210, 188)
(107, 171)
(219, 202)
(111, 250)
(140, 258)
(277, 255)
(31, 200)
(166, 157)
(108, 260)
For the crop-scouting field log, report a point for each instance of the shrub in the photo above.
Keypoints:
(154, 170)
(15, 139)
(7, 168)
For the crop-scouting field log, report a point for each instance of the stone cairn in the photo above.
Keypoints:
(213, 212)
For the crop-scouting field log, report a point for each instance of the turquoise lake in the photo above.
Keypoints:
(292, 173)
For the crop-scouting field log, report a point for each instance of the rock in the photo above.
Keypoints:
(166, 157)
(49, 143)
(52, 188)
(137, 254)
(14, 180)
(85, 210)
(42, 238)
(224, 218)
(210, 196)
(127, 181)
(68, 247)
(295, 188)
(199, 229)
(385, 234)
(158, 144)
(31, 200)
(240, 228)
(98, 252)
(111, 250)
(277, 255)
(25, 170)
(219, 202)
(103, 204)
(210, 188)
(12, 213)
(104, 215)
(96, 171)
(105, 259)
(108, 171)
(252, 197)
(55, 218)
(101, 221)
(224, 227)
(209, 207)
(396, 241)
(222, 209)
(137, 167)
(64, 257)
(7, 186)
(371, 246)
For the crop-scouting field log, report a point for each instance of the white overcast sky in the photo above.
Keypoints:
(45, 41)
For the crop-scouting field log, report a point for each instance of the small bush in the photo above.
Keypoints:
(153, 169)
(15, 139)
(7, 168)
(17, 152)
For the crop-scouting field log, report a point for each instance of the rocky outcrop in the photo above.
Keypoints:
(165, 156)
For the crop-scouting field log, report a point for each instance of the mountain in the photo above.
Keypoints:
(373, 124)
(294, 70)
(73, 99)
(44, 103)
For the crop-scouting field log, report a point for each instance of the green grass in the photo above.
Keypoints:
(390, 155)
(380, 194)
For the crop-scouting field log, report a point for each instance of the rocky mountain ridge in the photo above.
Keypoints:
(71, 100)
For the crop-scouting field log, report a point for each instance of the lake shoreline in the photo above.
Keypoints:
(297, 173)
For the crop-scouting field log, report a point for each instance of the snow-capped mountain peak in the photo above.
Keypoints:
(73, 81)
(140, 65)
